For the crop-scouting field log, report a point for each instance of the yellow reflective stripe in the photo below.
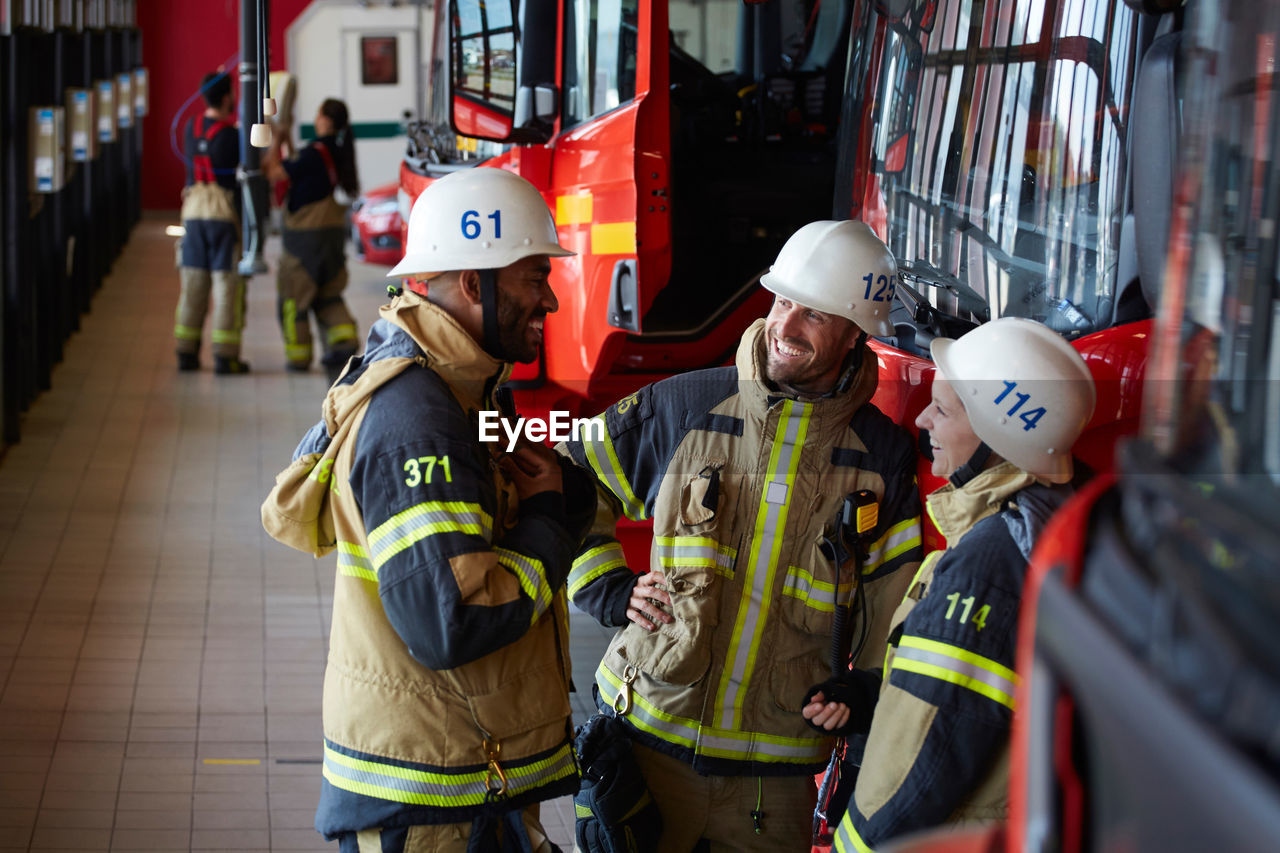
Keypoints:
(426, 519)
(341, 333)
(700, 551)
(925, 565)
(573, 209)
(186, 333)
(581, 811)
(225, 336)
(847, 839)
(594, 563)
(289, 322)
(613, 238)
(647, 716)
(711, 741)
(353, 561)
(297, 351)
(604, 461)
(958, 666)
(439, 788)
(820, 595)
(532, 576)
(238, 303)
(896, 541)
(762, 566)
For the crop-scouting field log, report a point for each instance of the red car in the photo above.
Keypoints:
(375, 226)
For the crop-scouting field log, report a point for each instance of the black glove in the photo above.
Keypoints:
(616, 812)
(857, 689)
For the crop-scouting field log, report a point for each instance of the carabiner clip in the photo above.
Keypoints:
(622, 702)
(496, 779)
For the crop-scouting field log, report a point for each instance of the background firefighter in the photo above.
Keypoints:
(312, 273)
(211, 243)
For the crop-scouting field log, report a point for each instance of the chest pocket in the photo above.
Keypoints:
(696, 564)
(815, 583)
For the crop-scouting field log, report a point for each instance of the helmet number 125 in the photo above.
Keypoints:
(885, 282)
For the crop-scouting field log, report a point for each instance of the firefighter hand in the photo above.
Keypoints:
(646, 596)
(825, 715)
(533, 469)
(842, 705)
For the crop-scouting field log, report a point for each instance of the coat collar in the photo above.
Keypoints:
(829, 412)
(956, 511)
(450, 350)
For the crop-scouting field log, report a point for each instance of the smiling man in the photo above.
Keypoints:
(446, 710)
(745, 471)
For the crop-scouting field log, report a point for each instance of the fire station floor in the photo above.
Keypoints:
(161, 658)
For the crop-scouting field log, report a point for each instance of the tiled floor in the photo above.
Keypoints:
(160, 657)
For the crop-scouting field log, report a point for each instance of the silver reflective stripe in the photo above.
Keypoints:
(762, 565)
(695, 551)
(897, 540)
(594, 563)
(712, 742)
(958, 666)
(847, 839)
(418, 522)
(817, 594)
(438, 788)
(604, 461)
(353, 561)
(532, 576)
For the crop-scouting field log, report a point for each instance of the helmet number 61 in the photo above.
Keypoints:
(471, 225)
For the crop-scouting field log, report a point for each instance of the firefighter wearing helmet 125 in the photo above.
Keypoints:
(746, 471)
(1009, 400)
(447, 652)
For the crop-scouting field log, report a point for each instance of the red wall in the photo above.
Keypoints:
(180, 42)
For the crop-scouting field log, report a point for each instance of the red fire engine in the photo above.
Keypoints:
(1019, 158)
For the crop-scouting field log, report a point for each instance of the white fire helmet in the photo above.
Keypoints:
(838, 267)
(1027, 392)
(478, 218)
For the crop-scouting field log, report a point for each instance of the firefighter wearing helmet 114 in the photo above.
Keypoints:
(1009, 400)
(447, 652)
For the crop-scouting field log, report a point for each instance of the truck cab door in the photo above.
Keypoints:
(608, 181)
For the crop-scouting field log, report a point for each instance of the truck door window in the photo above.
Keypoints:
(484, 51)
(600, 57)
(998, 137)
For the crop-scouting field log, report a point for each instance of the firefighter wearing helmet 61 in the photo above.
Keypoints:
(452, 555)
(482, 247)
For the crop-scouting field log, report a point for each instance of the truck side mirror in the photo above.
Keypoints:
(499, 87)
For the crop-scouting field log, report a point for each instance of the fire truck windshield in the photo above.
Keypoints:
(1220, 330)
(997, 135)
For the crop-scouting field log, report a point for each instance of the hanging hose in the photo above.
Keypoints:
(261, 58)
(264, 66)
(231, 62)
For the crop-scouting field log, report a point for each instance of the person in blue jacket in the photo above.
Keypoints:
(312, 273)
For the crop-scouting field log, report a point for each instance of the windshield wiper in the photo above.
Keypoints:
(927, 274)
